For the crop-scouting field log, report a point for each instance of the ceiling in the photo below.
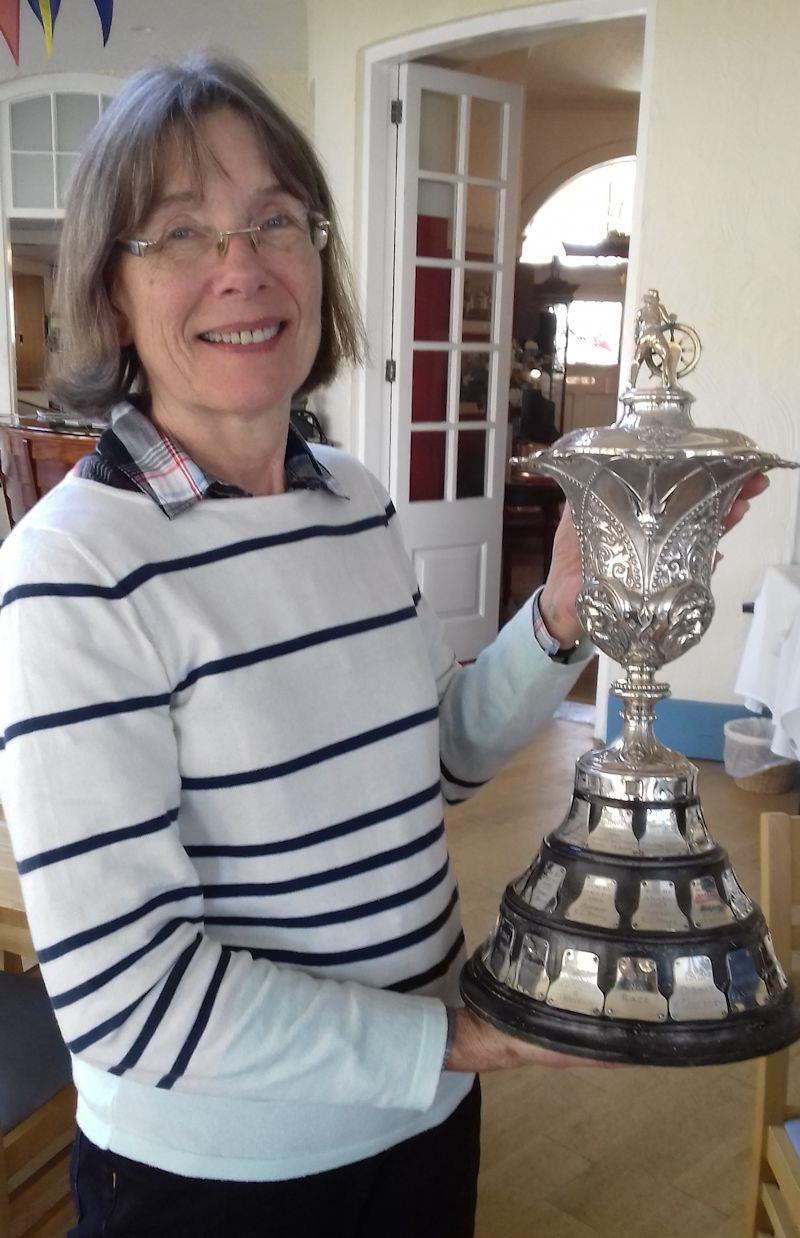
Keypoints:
(596, 64)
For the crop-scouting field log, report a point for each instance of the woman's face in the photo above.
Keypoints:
(175, 315)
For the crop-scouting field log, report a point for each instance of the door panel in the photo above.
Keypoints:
(456, 246)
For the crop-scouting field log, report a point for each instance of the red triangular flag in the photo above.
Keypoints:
(9, 25)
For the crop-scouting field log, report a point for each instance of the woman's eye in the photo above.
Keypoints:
(279, 220)
(180, 233)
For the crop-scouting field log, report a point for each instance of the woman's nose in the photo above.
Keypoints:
(240, 265)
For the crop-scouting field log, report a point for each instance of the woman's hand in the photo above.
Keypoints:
(564, 580)
(480, 1047)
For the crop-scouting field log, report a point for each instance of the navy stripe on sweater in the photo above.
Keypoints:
(156, 1015)
(66, 717)
(68, 944)
(327, 875)
(412, 983)
(351, 744)
(104, 709)
(105, 1028)
(314, 837)
(279, 650)
(95, 841)
(148, 571)
(342, 915)
(376, 951)
(200, 1023)
(59, 1000)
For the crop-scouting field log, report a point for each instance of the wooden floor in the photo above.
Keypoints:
(582, 1153)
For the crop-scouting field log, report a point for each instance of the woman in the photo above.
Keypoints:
(229, 718)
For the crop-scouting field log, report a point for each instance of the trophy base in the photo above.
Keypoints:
(707, 1042)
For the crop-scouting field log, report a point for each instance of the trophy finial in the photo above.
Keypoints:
(670, 349)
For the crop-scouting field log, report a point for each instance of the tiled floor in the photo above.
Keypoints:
(588, 1153)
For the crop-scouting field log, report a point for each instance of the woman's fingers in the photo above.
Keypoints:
(754, 485)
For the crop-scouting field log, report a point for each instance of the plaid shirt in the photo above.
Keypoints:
(134, 454)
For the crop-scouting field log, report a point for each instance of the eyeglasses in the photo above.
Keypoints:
(187, 244)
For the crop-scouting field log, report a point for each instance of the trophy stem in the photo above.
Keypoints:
(639, 692)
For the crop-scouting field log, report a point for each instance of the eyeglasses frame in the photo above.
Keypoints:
(319, 227)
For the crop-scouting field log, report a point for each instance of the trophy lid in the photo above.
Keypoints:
(655, 422)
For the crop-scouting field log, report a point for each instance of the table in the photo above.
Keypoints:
(769, 673)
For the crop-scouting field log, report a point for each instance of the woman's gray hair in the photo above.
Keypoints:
(113, 191)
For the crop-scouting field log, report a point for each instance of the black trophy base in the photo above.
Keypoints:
(692, 1043)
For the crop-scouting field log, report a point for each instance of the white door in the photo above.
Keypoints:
(456, 246)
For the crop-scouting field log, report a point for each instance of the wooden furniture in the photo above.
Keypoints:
(531, 512)
(17, 953)
(37, 1099)
(34, 459)
(774, 1205)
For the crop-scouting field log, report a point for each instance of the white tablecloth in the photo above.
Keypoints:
(769, 673)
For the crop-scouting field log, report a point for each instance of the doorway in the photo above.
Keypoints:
(582, 77)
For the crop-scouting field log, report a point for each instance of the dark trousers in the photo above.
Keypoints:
(424, 1187)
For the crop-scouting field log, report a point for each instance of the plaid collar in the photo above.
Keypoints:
(133, 453)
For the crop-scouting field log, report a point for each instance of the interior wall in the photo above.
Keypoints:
(718, 237)
(562, 141)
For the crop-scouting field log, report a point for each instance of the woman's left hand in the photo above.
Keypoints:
(564, 580)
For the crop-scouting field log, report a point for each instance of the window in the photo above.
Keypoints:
(47, 133)
(594, 332)
(583, 212)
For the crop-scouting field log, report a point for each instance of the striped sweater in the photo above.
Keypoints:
(225, 744)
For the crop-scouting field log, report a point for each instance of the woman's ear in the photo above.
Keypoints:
(121, 324)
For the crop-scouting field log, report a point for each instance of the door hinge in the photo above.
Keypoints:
(397, 111)
(391, 371)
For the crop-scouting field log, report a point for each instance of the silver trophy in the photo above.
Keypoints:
(629, 937)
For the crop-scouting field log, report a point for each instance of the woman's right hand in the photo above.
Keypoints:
(480, 1047)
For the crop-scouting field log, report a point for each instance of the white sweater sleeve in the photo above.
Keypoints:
(89, 758)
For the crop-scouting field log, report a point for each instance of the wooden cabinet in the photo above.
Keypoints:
(33, 460)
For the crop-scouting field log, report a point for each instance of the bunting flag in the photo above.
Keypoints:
(47, 12)
(106, 10)
(9, 25)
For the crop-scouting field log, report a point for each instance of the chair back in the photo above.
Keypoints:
(774, 1204)
(37, 1107)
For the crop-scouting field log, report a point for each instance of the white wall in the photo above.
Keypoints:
(718, 238)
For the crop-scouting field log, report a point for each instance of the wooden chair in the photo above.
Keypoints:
(32, 461)
(774, 1206)
(37, 1106)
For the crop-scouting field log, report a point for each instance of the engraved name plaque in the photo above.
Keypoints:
(595, 903)
(575, 987)
(635, 993)
(658, 910)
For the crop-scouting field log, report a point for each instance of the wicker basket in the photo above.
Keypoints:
(774, 781)
(749, 759)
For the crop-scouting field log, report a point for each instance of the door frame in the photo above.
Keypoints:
(374, 232)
